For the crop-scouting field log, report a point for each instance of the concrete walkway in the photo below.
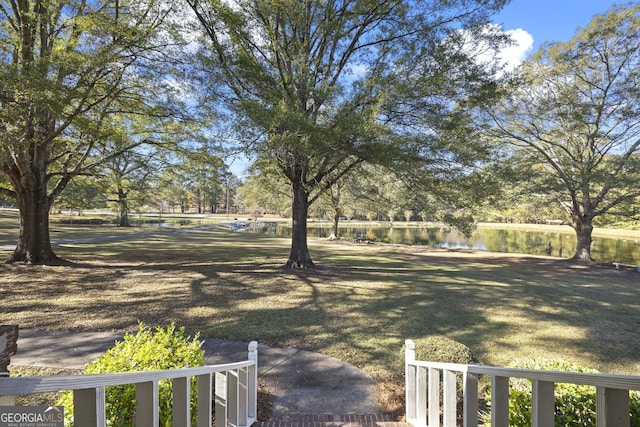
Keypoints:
(301, 382)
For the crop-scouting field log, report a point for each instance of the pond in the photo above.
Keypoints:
(562, 245)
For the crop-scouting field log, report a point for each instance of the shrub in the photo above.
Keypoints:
(575, 405)
(147, 350)
(442, 349)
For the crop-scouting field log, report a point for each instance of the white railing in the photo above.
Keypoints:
(234, 386)
(424, 407)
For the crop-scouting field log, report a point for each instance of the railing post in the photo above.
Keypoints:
(233, 380)
(252, 411)
(147, 404)
(470, 400)
(542, 403)
(205, 388)
(449, 401)
(181, 402)
(434, 397)
(410, 379)
(422, 385)
(89, 407)
(242, 397)
(221, 399)
(612, 407)
(499, 401)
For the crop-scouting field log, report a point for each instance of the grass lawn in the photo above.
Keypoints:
(360, 305)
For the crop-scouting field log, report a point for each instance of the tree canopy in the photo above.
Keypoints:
(69, 70)
(320, 87)
(572, 117)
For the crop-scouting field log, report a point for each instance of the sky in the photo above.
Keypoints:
(533, 22)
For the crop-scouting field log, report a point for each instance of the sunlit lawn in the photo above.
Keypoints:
(359, 305)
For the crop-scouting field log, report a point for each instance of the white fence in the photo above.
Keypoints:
(235, 386)
(426, 380)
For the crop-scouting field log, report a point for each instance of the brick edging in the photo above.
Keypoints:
(331, 420)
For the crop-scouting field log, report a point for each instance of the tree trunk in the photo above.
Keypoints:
(34, 243)
(299, 256)
(124, 209)
(334, 226)
(335, 204)
(584, 228)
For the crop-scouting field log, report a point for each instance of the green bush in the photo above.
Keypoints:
(442, 349)
(575, 405)
(147, 350)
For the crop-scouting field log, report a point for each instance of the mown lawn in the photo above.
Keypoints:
(359, 305)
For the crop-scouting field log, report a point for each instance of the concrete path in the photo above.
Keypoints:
(301, 382)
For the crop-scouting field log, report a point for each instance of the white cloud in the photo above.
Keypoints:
(516, 53)
(358, 70)
(508, 57)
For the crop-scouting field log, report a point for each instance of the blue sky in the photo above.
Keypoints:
(549, 20)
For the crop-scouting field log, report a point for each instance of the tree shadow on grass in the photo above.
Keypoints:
(359, 305)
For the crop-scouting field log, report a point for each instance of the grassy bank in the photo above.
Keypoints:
(359, 305)
(597, 232)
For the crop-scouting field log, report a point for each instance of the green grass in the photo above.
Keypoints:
(359, 305)
(64, 226)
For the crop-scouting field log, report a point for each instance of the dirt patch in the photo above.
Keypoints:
(391, 398)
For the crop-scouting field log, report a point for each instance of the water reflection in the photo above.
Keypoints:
(510, 241)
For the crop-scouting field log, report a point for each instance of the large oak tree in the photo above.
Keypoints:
(573, 118)
(326, 85)
(67, 67)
